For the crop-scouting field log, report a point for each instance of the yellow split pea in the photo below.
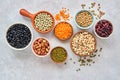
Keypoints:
(84, 19)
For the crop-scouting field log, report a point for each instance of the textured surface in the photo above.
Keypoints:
(24, 65)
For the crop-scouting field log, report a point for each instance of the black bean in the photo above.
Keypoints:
(18, 36)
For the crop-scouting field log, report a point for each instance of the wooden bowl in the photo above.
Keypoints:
(53, 59)
(69, 36)
(74, 36)
(33, 16)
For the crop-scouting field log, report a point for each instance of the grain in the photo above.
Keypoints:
(84, 19)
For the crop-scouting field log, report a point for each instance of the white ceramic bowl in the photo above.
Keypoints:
(19, 48)
(100, 36)
(81, 27)
(37, 54)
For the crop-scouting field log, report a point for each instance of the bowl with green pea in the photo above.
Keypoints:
(42, 21)
(84, 19)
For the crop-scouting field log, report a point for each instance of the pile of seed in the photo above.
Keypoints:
(18, 36)
(84, 19)
(104, 28)
(41, 46)
(63, 30)
(58, 54)
(83, 43)
(43, 21)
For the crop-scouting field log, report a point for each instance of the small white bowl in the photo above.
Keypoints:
(100, 36)
(37, 54)
(19, 48)
(81, 27)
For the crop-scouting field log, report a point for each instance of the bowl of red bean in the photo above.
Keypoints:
(103, 29)
(41, 47)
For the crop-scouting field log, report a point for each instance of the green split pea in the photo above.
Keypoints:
(58, 54)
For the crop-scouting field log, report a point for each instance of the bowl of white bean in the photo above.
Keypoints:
(83, 43)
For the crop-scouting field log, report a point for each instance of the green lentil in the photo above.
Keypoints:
(43, 21)
(58, 54)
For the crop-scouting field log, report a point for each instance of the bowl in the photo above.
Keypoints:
(17, 37)
(83, 43)
(85, 23)
(41, 47)
(58, 52)
(103, 29)
(34, 17)
(63, 32)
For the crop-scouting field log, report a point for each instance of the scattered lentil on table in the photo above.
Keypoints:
(43, 21)
(18, 36)
(62, 15)
(41, 46)
(97, 13)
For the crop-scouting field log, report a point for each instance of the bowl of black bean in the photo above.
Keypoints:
(18, 36)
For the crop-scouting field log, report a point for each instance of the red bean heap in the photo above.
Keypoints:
(104, 28)
(18, 36)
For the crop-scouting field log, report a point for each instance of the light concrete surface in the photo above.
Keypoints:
(24, 65)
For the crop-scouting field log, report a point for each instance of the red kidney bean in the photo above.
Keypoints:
(103, 28)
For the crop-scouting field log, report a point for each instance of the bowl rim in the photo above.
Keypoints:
(100, 36)
(60, 23)
(81, 27)
(19, 49)
(90, 52)
(34, 51)
(34, 26)
(62, 48)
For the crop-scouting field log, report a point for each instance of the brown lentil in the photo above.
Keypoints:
(84, 19)
(43, 21)
(41, 46)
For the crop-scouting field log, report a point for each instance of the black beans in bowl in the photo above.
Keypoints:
(18, 36)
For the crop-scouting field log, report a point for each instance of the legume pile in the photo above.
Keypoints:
(103, 28)
(58, 54)
(63, 30)
(41, 46)
(83, 43)
(43, 21)
(84, 19)
(18, 36)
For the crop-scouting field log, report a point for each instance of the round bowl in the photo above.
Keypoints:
(82, 54)
(66, 38)
(23, 47)
(53, 59)
(33, 16)
(100, 36)
(82, 27)
(34, 50)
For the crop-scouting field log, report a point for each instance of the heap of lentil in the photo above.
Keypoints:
(83, 43)
(58, 54)
(18, 36)
(84, 19)
(63, 30)
(43, 21)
